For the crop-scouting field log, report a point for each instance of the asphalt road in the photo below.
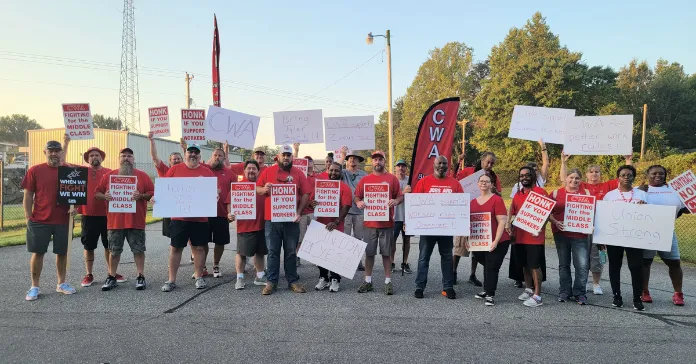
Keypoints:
(219, 324)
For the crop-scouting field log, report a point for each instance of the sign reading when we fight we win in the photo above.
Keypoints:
(72, 185)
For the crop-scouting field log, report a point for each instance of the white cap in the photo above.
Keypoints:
(285, 149)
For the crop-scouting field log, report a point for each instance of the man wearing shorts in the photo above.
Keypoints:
(399, 216)
(219, 226)
(352, 175)
(127, 226)
(162, 169)
(379, 233)
(46, 219)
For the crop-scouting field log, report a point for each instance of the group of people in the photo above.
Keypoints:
(263, 239)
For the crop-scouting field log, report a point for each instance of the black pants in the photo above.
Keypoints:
(324, 273)
(634, 257)
(515, 271)
(491, 262)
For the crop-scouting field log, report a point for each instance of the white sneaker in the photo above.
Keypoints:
(527, 294)
(597, 289)
(239, 284)
(200, 283)
(216, 272)
(533, 302)
(322, 284)
(334, 285)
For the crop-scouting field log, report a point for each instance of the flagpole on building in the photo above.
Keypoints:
(370, 40)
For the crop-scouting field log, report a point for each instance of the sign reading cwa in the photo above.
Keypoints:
(599, 135)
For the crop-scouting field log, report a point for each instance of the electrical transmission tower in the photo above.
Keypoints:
(129, 95)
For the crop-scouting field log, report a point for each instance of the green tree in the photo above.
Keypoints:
(103, 122)
(382, 128)
(672, 104)
(13, 128)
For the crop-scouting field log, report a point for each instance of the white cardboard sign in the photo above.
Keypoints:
(534, 212)
(439, 214)
(305, 126)
(356, 132)
(634, 226)
(243, 200)
(333, 250)
(599, 135)
(236, 128)
(470, 184)
(376, 202)
(481, 238)
(283, 202)
(121, 189)
(78, 121)
(685, 185)
(185, 197)
(193, 126)
(579, 213)
(159, 121)
(534, 123)
(301, 164)
(328, 196)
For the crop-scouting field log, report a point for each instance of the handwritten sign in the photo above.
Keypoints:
(481, 238)
(78, 120)
(193, 125)
(685, 185)
(236, 128)
(470, 184)
(243, 200)
(283, 202)
(599, 135)
(356, 132)
(185, 197)
(328, 195)
(301, 164)
(376, 202)
(333, 250)
(534, 212)
(298, 126)
(634, 226)
(441, 214)
(121, 189)
(579, 213)
(72, 185)
(533, 123)
(159, 121)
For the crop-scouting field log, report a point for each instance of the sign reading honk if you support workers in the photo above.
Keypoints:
(534, 212)
(283, 202)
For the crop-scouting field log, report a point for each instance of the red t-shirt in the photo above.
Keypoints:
(42, 179)
(162, 169)
(323, 175)
(558, 211)
(310, 184)
(600, 189)
(248, 226)
(224, 178)
(432, 184)
(276, 176)
(468, 171)
(118, 221)
(496, 206)
(181, 170)
(521, 236)
(394, 191)
(238, 168)
(346, 199)
(94, 207)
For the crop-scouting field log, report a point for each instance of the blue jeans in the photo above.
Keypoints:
(283, 235)
(579, 248)
(426, 247)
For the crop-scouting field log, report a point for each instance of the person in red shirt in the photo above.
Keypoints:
(327, 162)
(127, 226)
(337, 222)
(438, 182)
(259, 157)
(378, 233)
(283, 233)
(308, 212)
(46, 220)
(162, 169)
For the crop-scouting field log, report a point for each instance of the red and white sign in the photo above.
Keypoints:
(328, 195)
(534, 212)
(283, 202)
(78, 121)
(481, 237)
(193, 125)
(243, 200)
(121, 189)
(159, 121)
(376, 202)
(301, 164)
(579, 213)
(685, 185)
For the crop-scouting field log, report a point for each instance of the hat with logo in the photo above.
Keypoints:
(94, 149)
(285, 149)
(193, 146)
(400, 162)
(52, 144)
(379, 153)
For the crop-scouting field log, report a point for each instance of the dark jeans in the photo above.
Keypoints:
(325, 273)
(491, 262)
(283, 235)
(445, 244)
(579, 249)
(634, 258)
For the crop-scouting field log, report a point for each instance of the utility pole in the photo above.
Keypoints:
(642, 141)
(188, 90)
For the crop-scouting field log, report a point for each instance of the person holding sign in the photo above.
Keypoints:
(379, 233)
(542, 174)
(238, 168)
(162, 169)
(352, 175)
(399, 217)
(308, 212)
(438, 182)
(327, 162)
(130, 226)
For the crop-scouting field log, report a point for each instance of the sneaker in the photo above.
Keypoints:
(168, 286)
(527, 294)
(200, 283)
(269, 289)
(406, 268)
(365, 287)
(87, 280)
(205, 273)
(393, 268)
(490, 301)
(481, 295)
(582, 300)
(32, 294)
(418, 293)
(449, 293)
(121, 279)
(323, 283)
(473, 280)
(388, 289)
(140, 283)
(678, 298)
(563, 297)
(597, 289)
(518, 284)
(638, 306)
(260, 281)
(361, 267)
(297, 288)
(216, 272)
(335, 285)
(65, 288)
(534, 301)
(645, 297)
(618, 301)
(239, 284)
(109, 283)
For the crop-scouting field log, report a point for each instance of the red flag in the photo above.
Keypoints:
(216, 64)
(434, 138)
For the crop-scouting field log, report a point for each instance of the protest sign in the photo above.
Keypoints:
(328, 195)
(534, 212)
(376, 202)
(159, 121)
(534, 123)
(72, 185)
(301, 164)
(685, 185)
(634, 226)
(481, 238)
(333, 250)
(243, 200)
(441, 214)
(470, 184)
(193, 126)
(579, 213)
(185, 197)
(121, 189)
(303, 126)
(599, 135)
(283, 202)
(234, 127)
(78, 121)
(355, 132)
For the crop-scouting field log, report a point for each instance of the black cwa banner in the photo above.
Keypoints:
(72, 185)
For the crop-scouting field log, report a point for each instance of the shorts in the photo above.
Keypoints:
(673, 254)
(529, 256)
(39, 235)
(399, 229)
(165, 226)
(219, 230)
(94, 227)
(353, 226)
(252, 243)
(382, 237)
(135, 237)
(460, 249)
(181, 232)
(305, 220)
(595, 264)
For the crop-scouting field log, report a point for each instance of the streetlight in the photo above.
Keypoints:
(370, 39)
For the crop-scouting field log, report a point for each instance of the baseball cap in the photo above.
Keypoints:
(350, 153)
(193, 146)
(259, 150)
(52, 144)
(93, 149)
(379, 153)
(285, 149)
(401, 161)
(126, 150)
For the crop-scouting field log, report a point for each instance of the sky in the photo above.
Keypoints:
(300, 55)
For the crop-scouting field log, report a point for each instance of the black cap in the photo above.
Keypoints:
(52, 144)
(126, 150)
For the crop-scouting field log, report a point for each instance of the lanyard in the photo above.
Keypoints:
(624, 199)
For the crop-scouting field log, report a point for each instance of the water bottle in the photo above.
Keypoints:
(602, 257)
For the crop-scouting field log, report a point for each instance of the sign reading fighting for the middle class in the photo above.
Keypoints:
(534, 212)
(283, 202)
(243, 200)
(328, 195)
(302, 164)
(121, 189)
(376, 202)
(481, 238)
(579, 213)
